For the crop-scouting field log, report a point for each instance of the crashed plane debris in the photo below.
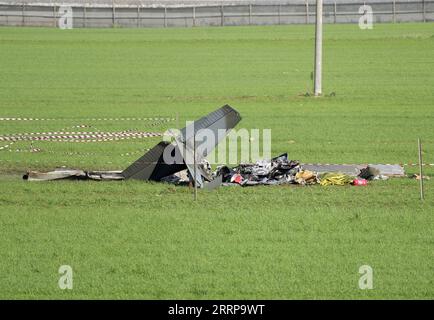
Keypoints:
(283, 171)
(59, 174)
(152, 165)
(192, 166)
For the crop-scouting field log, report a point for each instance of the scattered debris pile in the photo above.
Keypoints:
(280, 170)
(277, 171)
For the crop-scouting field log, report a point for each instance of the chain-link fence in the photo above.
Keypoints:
(129, 14)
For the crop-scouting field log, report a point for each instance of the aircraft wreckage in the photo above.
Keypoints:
(152, 165)
(190, 164)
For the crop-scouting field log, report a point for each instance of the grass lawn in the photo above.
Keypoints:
(147, 240)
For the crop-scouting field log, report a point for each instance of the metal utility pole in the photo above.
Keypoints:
(318, 49)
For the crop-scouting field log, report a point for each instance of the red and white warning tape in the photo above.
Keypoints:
(6, 146)
(31, 150)
(85, 119)
(134, 152)
(86, 154)
(78, 136)
(74, 153)
(79, 126)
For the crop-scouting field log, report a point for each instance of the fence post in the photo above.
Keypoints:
(194, 16)
(23, 9)
(423, 11)
(222, 16)
(250, 14)
(54, 15)
(420, 168)
(335, 11)
(165, 17)
(113, 14)
(138, 16)
(278, 13)
(307, 12)
(394, 11)
(84, 16)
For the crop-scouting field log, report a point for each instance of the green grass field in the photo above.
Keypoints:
(147, 240)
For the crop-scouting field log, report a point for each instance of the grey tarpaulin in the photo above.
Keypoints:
(355, 169)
